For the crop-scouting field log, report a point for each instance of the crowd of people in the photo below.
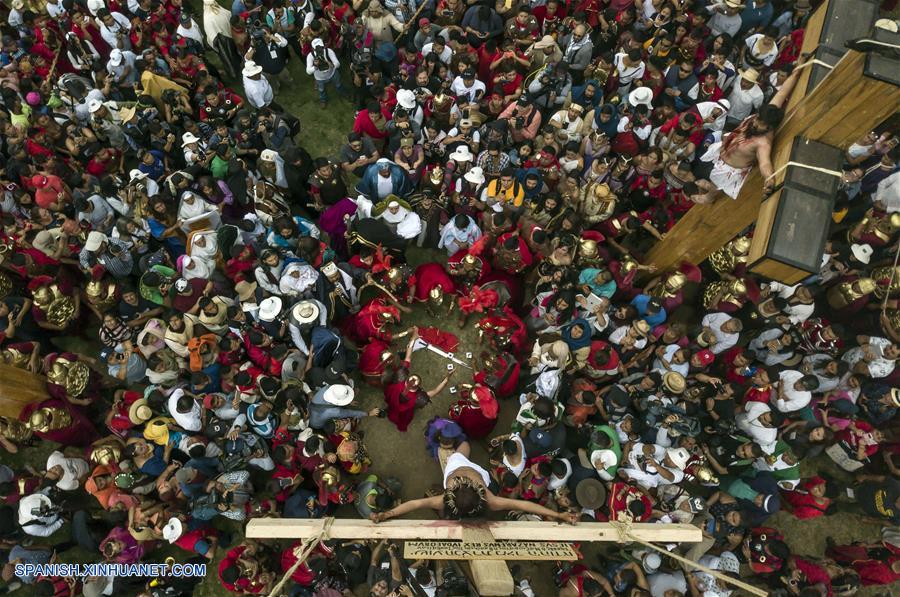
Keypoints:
(158, 203)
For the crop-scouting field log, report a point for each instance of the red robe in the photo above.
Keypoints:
(401, 404)
(429, 276)
(504, 378)
(368, 324)
(371, 364)
(80, 432)
(477, 415)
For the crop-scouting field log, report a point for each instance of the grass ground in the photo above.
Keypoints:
(403, 455)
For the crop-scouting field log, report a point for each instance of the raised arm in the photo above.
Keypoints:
(435, 503)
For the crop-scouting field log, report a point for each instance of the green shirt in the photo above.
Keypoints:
(152, 293)
(218, 167)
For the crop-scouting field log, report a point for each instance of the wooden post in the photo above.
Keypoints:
(849, 102)
(491, 577)
(18, 389)
(301, 528)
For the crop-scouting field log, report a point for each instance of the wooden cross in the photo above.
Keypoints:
(846, 104)
(491, 576)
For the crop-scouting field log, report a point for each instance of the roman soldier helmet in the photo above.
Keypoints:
(675, 281)
(436, 296)
(741, 245)
(588, 248)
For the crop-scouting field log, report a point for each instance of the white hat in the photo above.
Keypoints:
(304, 312)
(18, 4)
(406, 99)
(679, 457)
(270, 308)
(181, 285)
(94, 105)
(329, 269)
(726, 105)
(137, 175)
(383, 162)
(862, 252)
(115, 57)
(641, 95)
(251, 68)
(338, 395)
(318, 43)
(188, 138)
(603, 459)
(393, 204)
(173, 530)
(651, 562)
(94, 240)
(749, 74)
(462, 154)
(475, 175)
(268, 155)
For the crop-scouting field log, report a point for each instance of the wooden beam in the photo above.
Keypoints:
(839, 111)
(18, 389)
(301, 528)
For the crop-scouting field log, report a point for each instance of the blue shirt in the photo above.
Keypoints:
(756, 15)
(640, 303)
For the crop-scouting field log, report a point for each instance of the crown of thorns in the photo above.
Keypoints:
(450, 497)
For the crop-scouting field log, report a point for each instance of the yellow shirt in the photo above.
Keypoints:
(514, 195)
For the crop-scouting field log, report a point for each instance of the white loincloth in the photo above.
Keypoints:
(727, 178)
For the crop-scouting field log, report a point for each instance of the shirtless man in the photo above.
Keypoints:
(466, 495)
(749, 144)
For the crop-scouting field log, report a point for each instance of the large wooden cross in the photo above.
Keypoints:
(490, 575)
(846, 104)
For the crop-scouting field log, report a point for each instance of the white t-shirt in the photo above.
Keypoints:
(73, 470)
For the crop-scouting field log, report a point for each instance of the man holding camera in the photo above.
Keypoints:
(523, 119)
(323, 64)
(270, 51)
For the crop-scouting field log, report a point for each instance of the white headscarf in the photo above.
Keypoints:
(705, 108)
(289, 285)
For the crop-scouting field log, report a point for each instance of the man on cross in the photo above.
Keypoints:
(748, 144)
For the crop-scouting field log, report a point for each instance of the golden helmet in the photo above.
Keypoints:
(741, 245)
(104, 455)
(395, 275)
(588, 247)
(676, 281)
(386, 355)
(6, 250)
(436, 175)
(601, 191)
(330, 475)
(894, 220)
(436, 295)
(738, 287)
(866, 285)
(705, 475)
(628, 264)
(38, 419)
(42, 295)
(94, 289)
(387, 315)
(469, 260)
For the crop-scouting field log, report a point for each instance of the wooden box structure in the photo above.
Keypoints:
(793, 222)
(836, 22)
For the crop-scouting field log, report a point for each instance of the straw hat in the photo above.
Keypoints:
(749, 74)
(139, 412)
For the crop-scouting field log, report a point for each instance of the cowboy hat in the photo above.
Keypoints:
(603, 459)
(462, 154)
(674, 382)
(269, 308)
(245, 290)
(641, 327)
(251, 69)
(641, 96)
(475, 175)
(545, 42)
(749, 74)
(188, 138)
(338, 395)
(304, 312)
(590, 494)
(128, 113)
(139, 413)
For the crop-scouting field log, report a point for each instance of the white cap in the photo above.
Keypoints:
(679, 457)
(137, 175)
(181, 285)
(115, 57)
(329, 269)
(94, 105)
(318, 43)
(383, 162)
(94, 240)
(173, 530)
(268, 155)
(406, 99)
